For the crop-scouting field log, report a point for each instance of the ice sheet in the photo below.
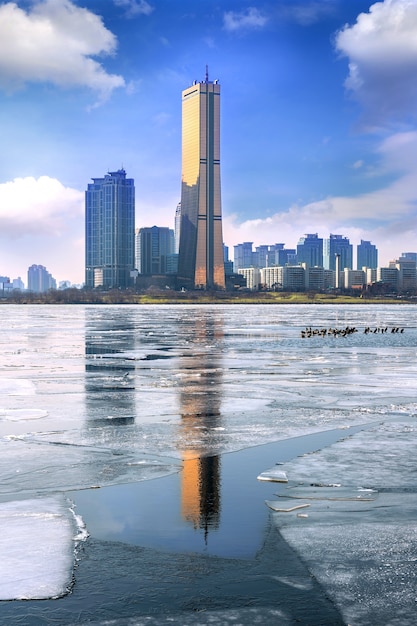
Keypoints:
(38, 538)
(359, 539)
(99, 395)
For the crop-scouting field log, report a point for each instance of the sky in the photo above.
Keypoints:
(318, 118)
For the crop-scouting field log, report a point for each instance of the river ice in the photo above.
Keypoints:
(94, 396)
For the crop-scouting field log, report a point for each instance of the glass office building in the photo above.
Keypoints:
(340, 246)
(110, 231)
(200, 263)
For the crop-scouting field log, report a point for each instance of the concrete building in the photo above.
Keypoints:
(388, 276)
(293, 278)
(407, 274)
(353, 279)
(200, 262)
(314, 278)
(252, 276)
(271, 277)
(110, 231)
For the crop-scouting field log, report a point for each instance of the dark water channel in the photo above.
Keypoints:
(162, 552)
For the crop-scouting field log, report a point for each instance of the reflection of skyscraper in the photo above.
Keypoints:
(200, 398)
(201, 241)
(110, 392)
(110, 230)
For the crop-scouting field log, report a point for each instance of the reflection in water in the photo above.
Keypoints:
(200, 400)
(109, 378)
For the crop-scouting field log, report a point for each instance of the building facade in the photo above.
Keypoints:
(200, 261)
(337, 245)
(155, 248)
(310, 250)
(39, 279)
(110, 231)
(366, 255)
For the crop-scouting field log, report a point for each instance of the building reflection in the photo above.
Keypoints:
(109, 367)
(200, 408)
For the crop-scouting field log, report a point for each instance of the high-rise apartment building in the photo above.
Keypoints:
(39, 279)
(200, 262)
(340, 246)
(367, 255)
(110, 231)
(155, 246)
(242, 255)
(310, 250)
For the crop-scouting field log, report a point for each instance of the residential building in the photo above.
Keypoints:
(110, 231)
(337, 245)
(271, 277)
(252, 276)
(18, 283)
(243, 255)
(366, 255)
(310, 250)
(200, 262)
(39, 279)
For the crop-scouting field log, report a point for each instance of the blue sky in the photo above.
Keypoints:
(318, 118)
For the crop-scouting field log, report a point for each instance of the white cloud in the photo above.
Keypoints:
(382, 51)
(54, 42)
(40, 206)
(41, 222)
(250, 18)
(135, 7)
(387, 216)
(306, 13)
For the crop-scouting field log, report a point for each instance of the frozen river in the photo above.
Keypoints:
(131, 438)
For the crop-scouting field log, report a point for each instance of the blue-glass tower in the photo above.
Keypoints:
(110, 231)
(310, 250)
(337, 245)
(367, 255)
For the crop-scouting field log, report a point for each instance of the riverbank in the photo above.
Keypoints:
(166, 297)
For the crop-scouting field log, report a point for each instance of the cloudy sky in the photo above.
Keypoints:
(319, 118)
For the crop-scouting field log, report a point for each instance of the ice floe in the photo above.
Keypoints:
(273, 475)
(38, 538)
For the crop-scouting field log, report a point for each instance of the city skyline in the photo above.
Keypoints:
(306, 144)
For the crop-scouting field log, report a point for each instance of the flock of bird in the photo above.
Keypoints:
(348, 330)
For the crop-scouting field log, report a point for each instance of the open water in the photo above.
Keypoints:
(131, 439)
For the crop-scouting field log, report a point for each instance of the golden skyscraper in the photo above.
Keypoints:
(201, 263)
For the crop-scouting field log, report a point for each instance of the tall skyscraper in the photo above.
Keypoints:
(367, 255)
(337, 245)
(200, 263)
(310, 250)
(110, 231)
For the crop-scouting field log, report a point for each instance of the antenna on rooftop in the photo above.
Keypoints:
(207, 80)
